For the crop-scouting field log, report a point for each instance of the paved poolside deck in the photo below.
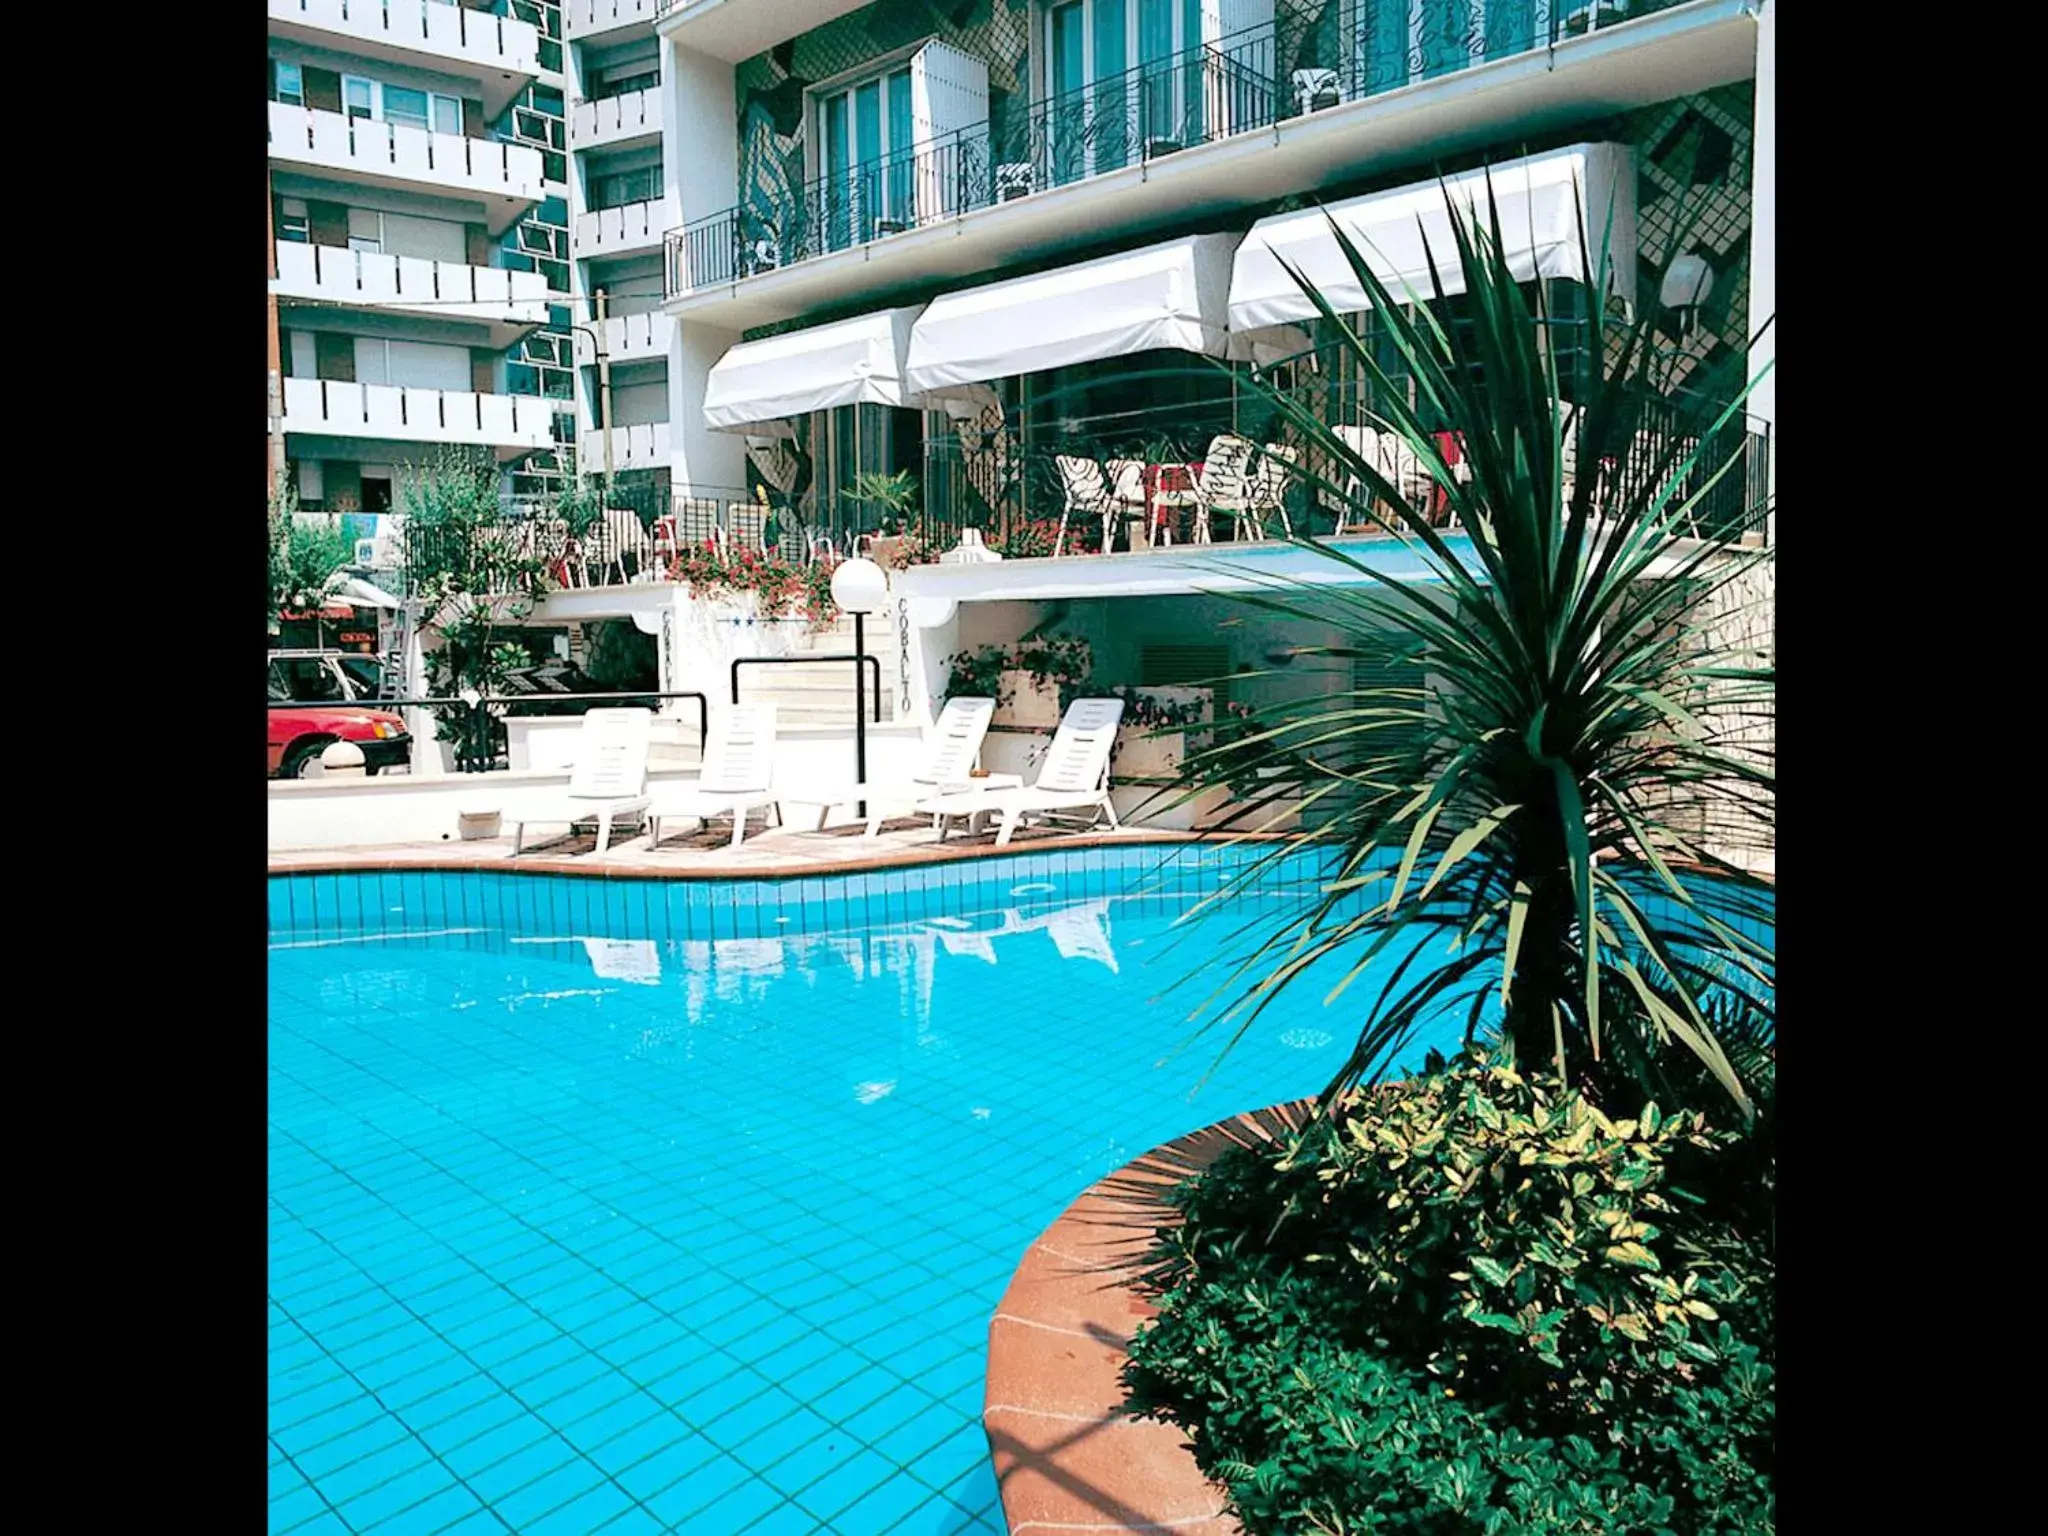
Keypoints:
(708, 854)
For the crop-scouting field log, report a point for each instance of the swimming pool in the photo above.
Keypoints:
(630, 1206)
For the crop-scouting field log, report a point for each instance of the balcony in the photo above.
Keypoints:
(615, 121)
(499, 52)
(584, 19)
(1215, 130)
(733, 30)
(510, 425)
(628, 214)
(508, 304)
(630, 339)
(505, 177)
(641, 446)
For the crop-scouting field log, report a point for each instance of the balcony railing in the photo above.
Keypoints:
(451, 288)
(1239, 85)
(1013, 486)
(313, 136)
(331, 407)
(602, 119)
(494, 38)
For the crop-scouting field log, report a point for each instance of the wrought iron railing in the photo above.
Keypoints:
(1237, 85)
(1014, 488)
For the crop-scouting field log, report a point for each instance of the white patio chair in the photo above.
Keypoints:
(1087, 492)
(1267, 491)
(950, 753)
(609, 779)
(1073, 778)
(1220, 485)
(738, 775)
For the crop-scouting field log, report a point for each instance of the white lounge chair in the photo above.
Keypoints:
(1073, 778)
(950, 752)
(609, 780)
(738, 775)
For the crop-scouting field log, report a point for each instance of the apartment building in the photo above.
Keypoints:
(949, 200)
(621, 207)
(974, 241)
(420, 271)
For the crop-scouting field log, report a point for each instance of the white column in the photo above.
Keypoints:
(700, 148)
(700, 460)
(930, 644)
(1763, 235)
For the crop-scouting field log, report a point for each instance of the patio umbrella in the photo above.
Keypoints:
(365, 594)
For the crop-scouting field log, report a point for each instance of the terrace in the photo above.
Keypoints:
(1169, 135)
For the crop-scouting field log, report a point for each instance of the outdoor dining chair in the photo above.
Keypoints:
(1266, 492)
(1220, 485)
(1087, 492)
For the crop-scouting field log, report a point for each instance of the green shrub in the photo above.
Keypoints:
(1468, 1302)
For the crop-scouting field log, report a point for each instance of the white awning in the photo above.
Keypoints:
(1539, 200)
(850, 362)
(1169, 296)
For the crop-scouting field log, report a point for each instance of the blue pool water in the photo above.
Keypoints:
(641, 1206)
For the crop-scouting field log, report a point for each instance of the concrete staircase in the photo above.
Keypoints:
(820, 693)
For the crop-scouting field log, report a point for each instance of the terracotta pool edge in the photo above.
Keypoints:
(1065, 1457)
(373, 861)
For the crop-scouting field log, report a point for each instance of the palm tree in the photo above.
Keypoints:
(1547, 750)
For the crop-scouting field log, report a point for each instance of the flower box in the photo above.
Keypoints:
(1034, 702)
(1142, 755)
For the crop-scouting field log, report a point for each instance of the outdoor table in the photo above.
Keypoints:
(1166, 477)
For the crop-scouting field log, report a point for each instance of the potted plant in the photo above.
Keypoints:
(1041, 675)
(891, 502)
(1152, 738)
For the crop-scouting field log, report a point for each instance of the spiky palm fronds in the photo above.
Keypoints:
(1549, 750)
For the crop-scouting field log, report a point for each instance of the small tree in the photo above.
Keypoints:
(473, 572)
(1523, 747)
(308, 556)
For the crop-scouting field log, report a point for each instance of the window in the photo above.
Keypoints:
(294, 223)
(866, 143)
(402, 104)
(290, 83)
(1122, 78)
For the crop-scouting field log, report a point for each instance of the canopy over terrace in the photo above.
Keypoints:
(759, 387)
(1539, 198)
(1173, 295)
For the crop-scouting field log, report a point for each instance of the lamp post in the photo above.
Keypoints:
(598, 343)
(859, 587)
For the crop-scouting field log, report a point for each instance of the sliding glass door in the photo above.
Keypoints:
(865, 156)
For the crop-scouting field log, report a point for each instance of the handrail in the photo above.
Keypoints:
(791, 661)
(473, 730)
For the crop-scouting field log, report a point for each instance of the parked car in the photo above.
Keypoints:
(317, 698)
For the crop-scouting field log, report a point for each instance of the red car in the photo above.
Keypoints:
(313, 698)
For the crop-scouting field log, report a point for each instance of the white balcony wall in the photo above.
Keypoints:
(474, 40)
(615, 231)
(616, 119)
(643, 445)
(587, 18)
(452, 289)
(396, 152)
(326, 407)
(630, 339)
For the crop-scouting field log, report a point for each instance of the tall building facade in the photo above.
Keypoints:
(421, 274)
(977, 233)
